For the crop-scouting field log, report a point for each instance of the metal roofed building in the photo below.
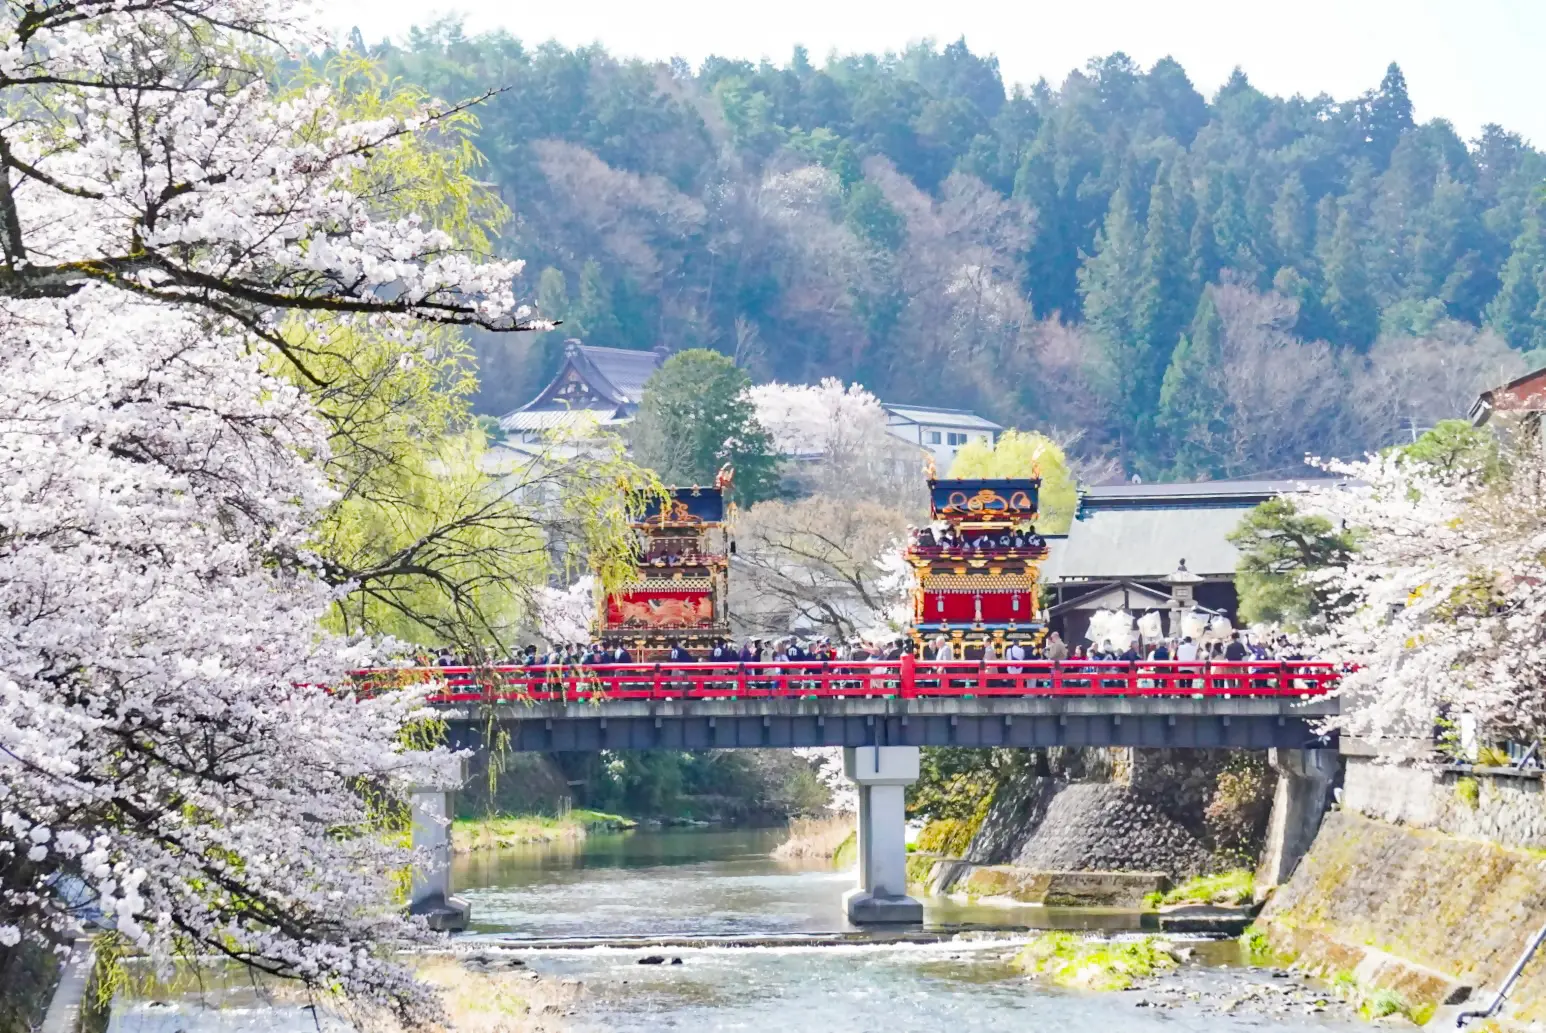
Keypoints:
(941, 431)
(1126, 540)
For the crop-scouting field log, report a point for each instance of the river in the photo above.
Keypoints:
(677, 885)
(682, 884)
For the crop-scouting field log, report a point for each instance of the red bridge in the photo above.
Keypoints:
(899, 679)
(1248, 705)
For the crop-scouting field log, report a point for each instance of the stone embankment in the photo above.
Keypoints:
(1425, 884)
(1124, 810)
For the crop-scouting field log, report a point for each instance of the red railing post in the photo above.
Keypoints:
(909, 672)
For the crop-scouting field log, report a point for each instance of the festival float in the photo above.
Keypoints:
(977, 568)
(677, 591)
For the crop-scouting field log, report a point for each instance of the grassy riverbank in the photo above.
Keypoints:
(470, 834)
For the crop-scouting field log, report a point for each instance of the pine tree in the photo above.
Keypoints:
(1348, 299)
(1517, 309)
(1108, 283)
(1192, 409)
(1389, 114)
(1291, 229)
(1163, 294)
(1232, 231)
(1203, 252)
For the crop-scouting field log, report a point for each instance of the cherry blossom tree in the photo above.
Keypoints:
(168, 759)
(838, 438)
(1445, 606)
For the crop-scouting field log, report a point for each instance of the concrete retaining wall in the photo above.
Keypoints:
(1055, 889)
(1497, 805)
(1428, 914)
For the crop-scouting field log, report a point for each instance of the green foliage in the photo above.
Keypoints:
(1238, 809)
(1192, 414)
(1278, 547)
(847, 853)
(1141, 191)
(1026, 454)
(432, 549)
(950, 837)
(695, 417)
(1492, 757)
(1255, 947)
(960, 782)
(1067, 959)
(1468, 791)
(1229, 888)
(1455, 447)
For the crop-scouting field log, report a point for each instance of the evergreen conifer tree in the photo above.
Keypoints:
(1192, 416)
(1388, 115)
(1232, 231)
(1164, 285)
(1291, 223)
(1348, 298)
(591, 317)
(1108, 282)
(1516, 311)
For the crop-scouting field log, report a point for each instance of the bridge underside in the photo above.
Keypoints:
(1237, 723)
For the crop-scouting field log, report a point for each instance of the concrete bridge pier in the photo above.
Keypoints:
(430, 893)
(882, 774)
(1298, 804)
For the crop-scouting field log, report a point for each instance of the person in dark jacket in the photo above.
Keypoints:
(1235, 651)
(679, 654)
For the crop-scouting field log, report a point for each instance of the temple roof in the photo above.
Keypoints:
(605, 381)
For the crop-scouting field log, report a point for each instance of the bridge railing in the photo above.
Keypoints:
(905, 679)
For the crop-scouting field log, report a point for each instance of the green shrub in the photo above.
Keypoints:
(1233, 887)
(1468, 791)
(1089, 964)
(948, 837)
(1491, 757)
(1380, 1003)
(918, 868)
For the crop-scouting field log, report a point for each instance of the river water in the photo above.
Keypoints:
(679, 885)
(682, 884)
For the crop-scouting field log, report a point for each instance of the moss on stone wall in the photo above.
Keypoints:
(1413, 911)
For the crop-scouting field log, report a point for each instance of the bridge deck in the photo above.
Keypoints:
(1249, 705)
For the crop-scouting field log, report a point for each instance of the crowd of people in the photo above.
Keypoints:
(794, 649)
(952, 537)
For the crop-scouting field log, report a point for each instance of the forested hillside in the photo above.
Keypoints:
(1198, 286)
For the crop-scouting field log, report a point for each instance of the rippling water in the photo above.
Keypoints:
(690, 882)
(677, 883)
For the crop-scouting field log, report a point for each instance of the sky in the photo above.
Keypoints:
(1468, 61)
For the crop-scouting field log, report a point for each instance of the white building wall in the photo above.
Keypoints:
(941, 441)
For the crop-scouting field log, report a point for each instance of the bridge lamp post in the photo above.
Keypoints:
(1183, 584)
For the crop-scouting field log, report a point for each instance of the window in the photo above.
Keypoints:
(931, 436)
(956, 439)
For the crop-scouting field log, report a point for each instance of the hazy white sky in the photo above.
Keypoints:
(1470, 61)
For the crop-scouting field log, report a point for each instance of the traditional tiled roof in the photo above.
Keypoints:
(606, 382)
(622, 371)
